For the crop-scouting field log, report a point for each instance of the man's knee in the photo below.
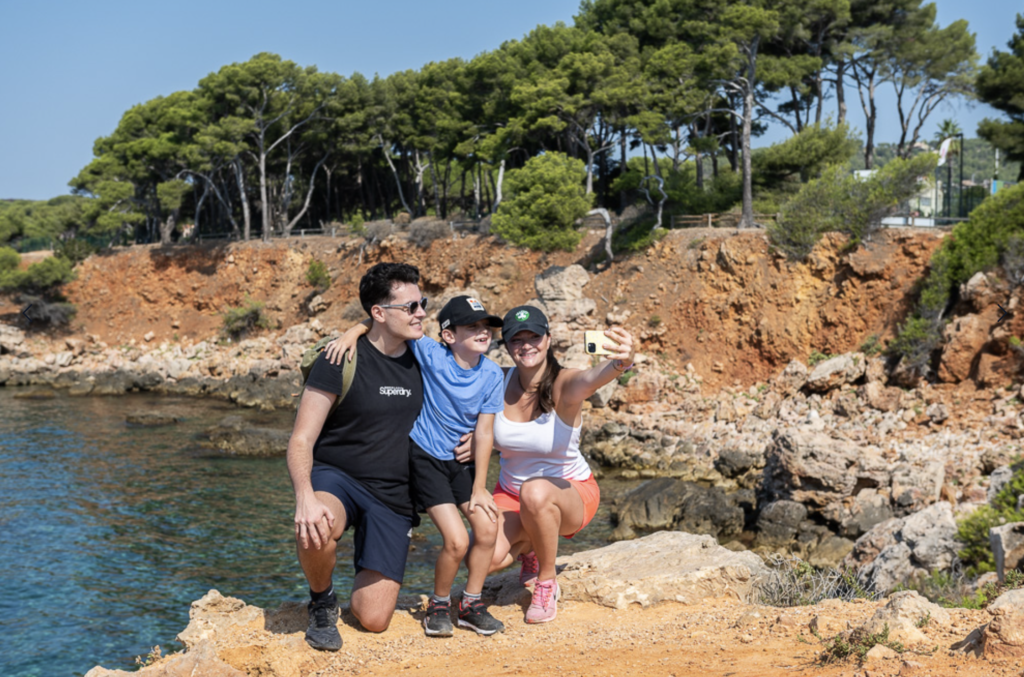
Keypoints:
(373, 618)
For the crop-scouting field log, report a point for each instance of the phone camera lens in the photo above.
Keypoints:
(591, 347)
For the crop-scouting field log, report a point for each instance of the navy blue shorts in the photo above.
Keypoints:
(381, 537)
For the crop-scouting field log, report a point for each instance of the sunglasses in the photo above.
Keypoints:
(411, 307)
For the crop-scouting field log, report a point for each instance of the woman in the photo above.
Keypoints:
(545, 488)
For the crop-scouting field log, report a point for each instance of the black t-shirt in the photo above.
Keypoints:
(368, 435)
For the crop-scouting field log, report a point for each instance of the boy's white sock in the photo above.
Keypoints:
(447, 599)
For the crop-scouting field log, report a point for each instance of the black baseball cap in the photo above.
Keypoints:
(524, 318)
(462, 311)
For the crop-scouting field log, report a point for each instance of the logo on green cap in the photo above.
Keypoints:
(523, 315)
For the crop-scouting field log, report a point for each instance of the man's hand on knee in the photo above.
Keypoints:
(314, 523)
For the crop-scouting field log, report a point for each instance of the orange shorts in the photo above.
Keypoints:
(588, 490)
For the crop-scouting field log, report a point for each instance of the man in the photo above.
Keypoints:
(351, 468)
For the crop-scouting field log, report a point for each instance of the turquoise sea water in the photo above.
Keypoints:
(109, 532)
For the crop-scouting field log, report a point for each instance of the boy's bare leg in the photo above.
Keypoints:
(485, 535)
(456, 542)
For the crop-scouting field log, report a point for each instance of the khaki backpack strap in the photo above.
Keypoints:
(348, 373)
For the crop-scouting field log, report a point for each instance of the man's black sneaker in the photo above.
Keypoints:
(438, 621)
(322, 633)
(473, 615)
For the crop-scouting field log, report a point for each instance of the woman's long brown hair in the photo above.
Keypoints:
(546, 390)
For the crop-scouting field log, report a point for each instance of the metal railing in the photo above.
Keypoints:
(726, 220)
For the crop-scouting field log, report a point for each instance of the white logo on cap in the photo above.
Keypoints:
(475, 305)
(523, 315)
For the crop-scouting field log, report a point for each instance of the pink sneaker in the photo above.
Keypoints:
(544, 605)
(531, 567)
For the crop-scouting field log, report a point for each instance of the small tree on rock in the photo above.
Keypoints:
(548, 197)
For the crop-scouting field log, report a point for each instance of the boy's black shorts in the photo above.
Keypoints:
(381, 537)
(435, 482)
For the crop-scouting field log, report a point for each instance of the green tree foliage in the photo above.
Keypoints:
(40, 278)
(9, 259)
(1001, 85)
(782, 168)
(547, 197)
(248, 317)
(973, 530)
(841, 202)
(42, 219)
(317, 275)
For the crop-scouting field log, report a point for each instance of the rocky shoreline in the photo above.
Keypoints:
(670, 603)
(831, 462)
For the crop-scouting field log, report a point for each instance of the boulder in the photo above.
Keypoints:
(233, 436)
(881, 397)
(1007, 547)
(148, 419)
(855, 516)
(905, 614)
(812, 468)
(560, 288)
(213, 615)
(999, 478)
(668, 503)
(199, 660)
(792, 379)
(778, 522)
(1003, 635)
(896, 550)
(836, 371)
(667, 565)
(12, 340)
(964, 339)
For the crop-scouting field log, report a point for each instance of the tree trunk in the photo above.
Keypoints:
(264, 201)
(497, 186)
(841, 91)
(246, 214)
(623, 167)
(476, 193)
(398, 180)
(590, 169)
(748, 116)
(166, 228)
(437, 198)
(869, 133)
(309, 196)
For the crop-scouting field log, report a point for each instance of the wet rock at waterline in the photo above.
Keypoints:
(234, 437)
(667, 503)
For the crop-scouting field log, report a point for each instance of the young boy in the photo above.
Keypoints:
(462, 391)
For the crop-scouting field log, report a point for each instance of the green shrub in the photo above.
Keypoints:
(654, 321)
(423, 233)
(637, 236)
(856, 644)
(973, 529)
(74, 250)
(917, 339)
(871, 346)
(245, 318)
(547, 198)
(840, 202)
(40, 277)
(626, 376)
(816, 358)
(9, 259)
(357, 223)
(317, 275)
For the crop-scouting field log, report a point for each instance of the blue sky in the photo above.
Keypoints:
(69, 70)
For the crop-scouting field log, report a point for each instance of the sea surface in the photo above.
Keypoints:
(108, 532)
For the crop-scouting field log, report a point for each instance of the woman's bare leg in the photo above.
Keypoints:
(549, 507)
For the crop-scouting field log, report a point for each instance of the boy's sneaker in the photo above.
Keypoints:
(322, 633)
(531, 567)
(544, 605)
(438, 621)
(473, 615)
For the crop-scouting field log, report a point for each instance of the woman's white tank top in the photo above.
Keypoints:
(543, 447)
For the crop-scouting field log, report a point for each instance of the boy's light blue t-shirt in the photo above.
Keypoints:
(453, 397)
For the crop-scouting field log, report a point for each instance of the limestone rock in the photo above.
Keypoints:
(812, 468)
(213, 615)
(880, 652)
(1007, 547)
(200, 659)
(561, 290)
(317, 305)
(903, 613)
(899, 549)
(964, 339)
(1000, 477)
(778, 522)
(667, 565)
(150, 419)
(12, 340)
(1003, 635)
(233, 437)
(668, 503)
(792, 378)
(881, 397)
(836, 371)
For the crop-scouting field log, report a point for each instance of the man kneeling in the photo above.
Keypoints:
(350, 467)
